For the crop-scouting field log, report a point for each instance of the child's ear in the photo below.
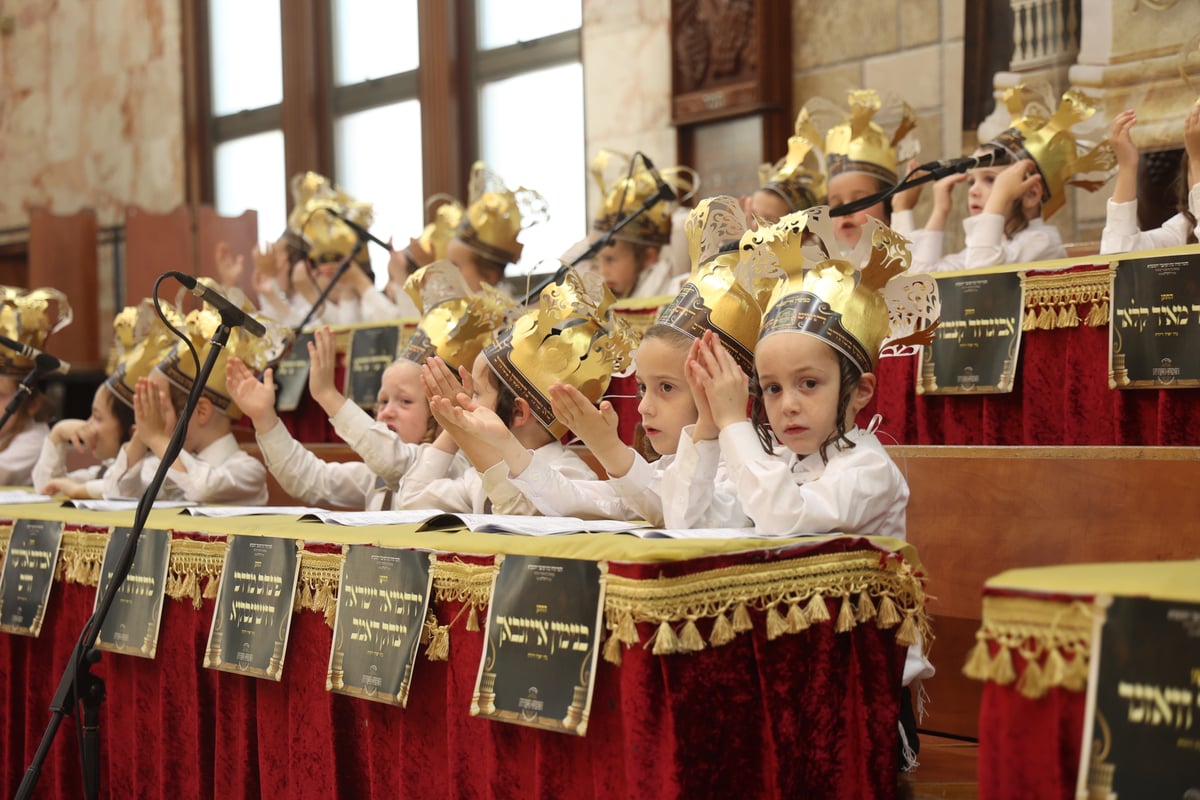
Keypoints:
(204, 411)
(522, 413)
(862, 393)
(1031, 201)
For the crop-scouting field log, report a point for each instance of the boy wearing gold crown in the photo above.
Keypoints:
(1009, 201)
(211, 467)
(456, 326)
(570, 338)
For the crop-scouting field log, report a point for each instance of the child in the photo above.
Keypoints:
(211, 467)
(814, 365)
(792, 184)
(860, 160)
(27, 317)
(486, 239)
(630, 264)
(101, 434)
(1121, 234)
(571, 338)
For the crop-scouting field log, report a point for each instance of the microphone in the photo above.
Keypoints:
(44, 363)
(953, 166)
(231, 315)
(665, 192)
(362, 232)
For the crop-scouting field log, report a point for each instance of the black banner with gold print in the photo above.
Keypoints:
(979, 337)
(1154, 327)
(131, 626)
(291, 376)
(383, 597)
(372, 350)
(543, 631)
(253, 615)
(28, 574)
(1142, 728)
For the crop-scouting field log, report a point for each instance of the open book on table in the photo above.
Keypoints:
(434, 520)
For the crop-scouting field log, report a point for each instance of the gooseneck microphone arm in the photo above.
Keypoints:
(932, 171)
(78, 685)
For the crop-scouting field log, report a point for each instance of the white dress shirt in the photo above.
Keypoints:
(220, 473)
(1121, 233)
(52, 463)
(634, 496)
(349, 484)
(987, 246)
(17, 460)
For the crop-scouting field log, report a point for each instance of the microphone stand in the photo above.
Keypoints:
(604, 241)
(78, 684)
(933, 173)
(341, 270)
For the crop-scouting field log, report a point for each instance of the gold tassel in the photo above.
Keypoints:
(331, 612)
(1056, 668)
(722, 631)
(816, 610)
(1076, 674)
(1032, 683)
(776, 627)
(888, 615)
(845, 619)
(907, 635)
(979, 663)
(690, 639)
(612, 650)
(1002, 667)
(1029, 321)
(1098, 316)
(172, 586)
(866, 609)
(627, 630)
(665, 640)
(473, 620)
(1068, 317)
(210, 588)
(439, 644)
(796, 620)
(741, 618)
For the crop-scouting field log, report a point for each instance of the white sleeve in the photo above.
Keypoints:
(508, 498)
(640, 489)
(1121, 233)
(904, 222)
(51, 463)
(384, 452)
(239, 480)
(692, 494)
(987, 246)
(926, 249)
(311, 480)
(556, 495)
(437, 479)
(121, 480)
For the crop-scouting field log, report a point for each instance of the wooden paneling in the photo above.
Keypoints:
(62, 254)
(154, 244)
(977, 511)
(240, 233)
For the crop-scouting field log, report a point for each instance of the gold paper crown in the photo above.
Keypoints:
(325, 237)
(736, 271)
(496, 215)
(457, 322)
(437, 234)
(141, 341)
(794, 178)
(572, 337)
(866, 312)
(860, 145)
(1047, 139)
(29, 317)
(630, 191)
(256, 351)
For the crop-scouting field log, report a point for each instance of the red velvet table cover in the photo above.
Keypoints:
(811, 714)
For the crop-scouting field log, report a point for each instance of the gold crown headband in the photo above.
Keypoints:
(325, 237)
(859, 144)
(1047, 139)
(861, 304)
(795, 177)
(736, 272)
(497, 215)
(29, 317)
(140, 342)
(629, 192)
(438, 233)
(457, 322)
(257, 352)
(572, 337)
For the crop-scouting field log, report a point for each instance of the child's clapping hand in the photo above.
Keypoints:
(721, 388)
(322, 358)
(596, 427)
(255, 398)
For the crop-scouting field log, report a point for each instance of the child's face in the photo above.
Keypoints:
(620, 268)
(768, 206)
(103, 428)
(801, 380)
(487, 385)
(666, 403)
(401, 403)
(979, 187)
(846, 188)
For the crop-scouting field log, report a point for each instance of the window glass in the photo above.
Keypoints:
(250, 174)
(373, 39)
(503, 22)
(378, 155)
(532, 145)
(247, 68)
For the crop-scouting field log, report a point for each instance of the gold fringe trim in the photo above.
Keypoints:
(457, 581)
(1052, 638)
(1053, 301)
(793, 595)
(195, 570)
(320, 575)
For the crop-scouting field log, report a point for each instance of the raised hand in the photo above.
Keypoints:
(1191, 144)
(726, 387)
(154, 415)
(1121, 139)
(75, 433)
(1012, 182)
(255, 398)
(908, 199)
(595, 427)
(322, 358)
(229, 268)
(697, 377)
